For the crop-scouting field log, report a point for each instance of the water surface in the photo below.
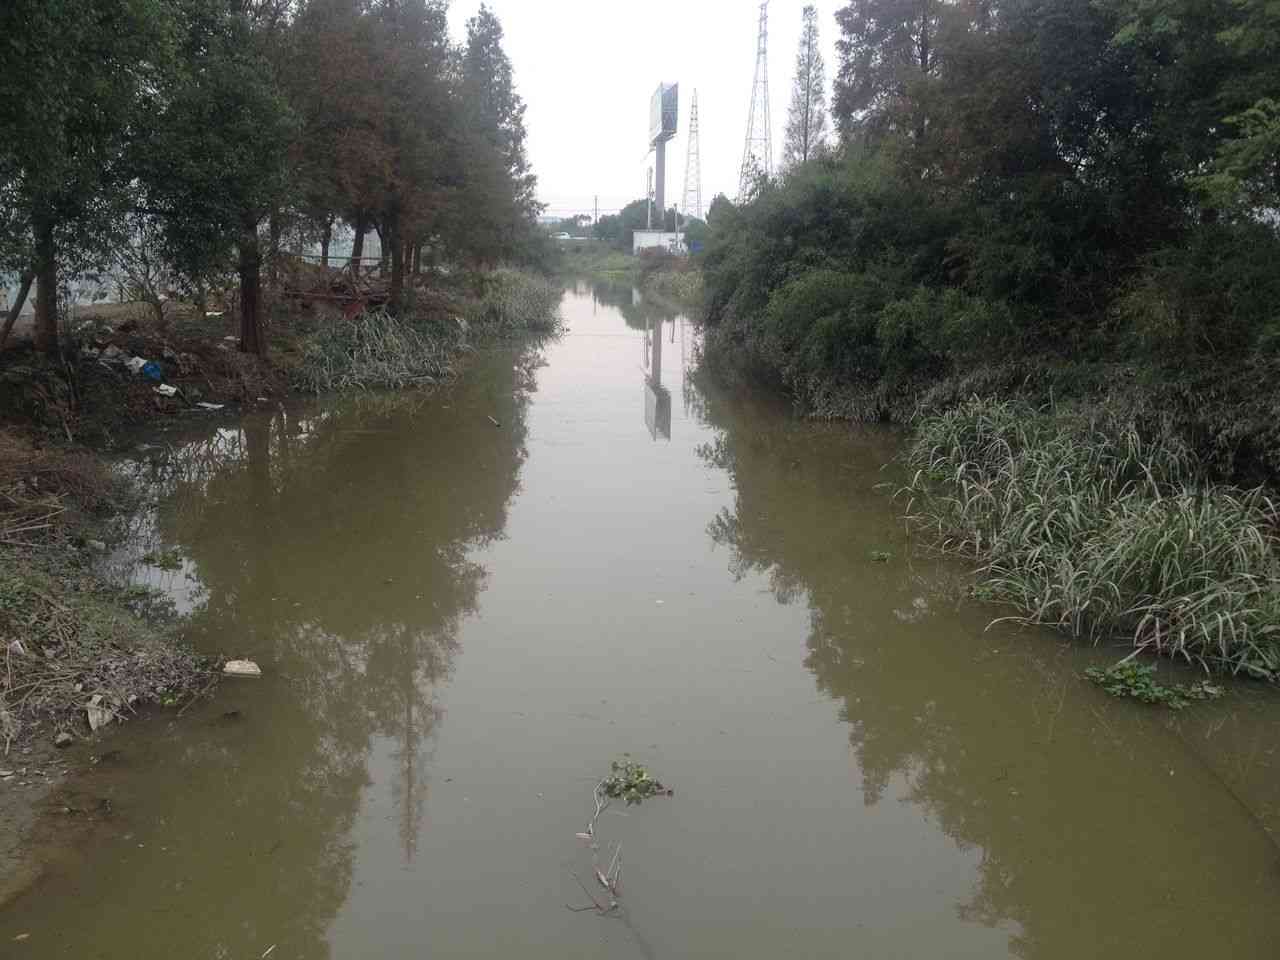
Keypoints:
(462, 624)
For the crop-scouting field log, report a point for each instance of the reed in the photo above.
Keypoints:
(1081, 521)
(511, 301)
(374, 350)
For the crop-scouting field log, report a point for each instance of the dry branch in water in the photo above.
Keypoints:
(628, 781)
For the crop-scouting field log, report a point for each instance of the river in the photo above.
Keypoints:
(461, 624)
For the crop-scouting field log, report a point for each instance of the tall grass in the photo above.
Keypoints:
(683, 286)
(1083, 523)
(514, 302)
(374, 350)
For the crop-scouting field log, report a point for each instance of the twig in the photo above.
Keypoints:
(600, 907)
(207, 688)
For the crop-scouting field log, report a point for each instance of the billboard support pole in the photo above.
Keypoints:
(659, 189)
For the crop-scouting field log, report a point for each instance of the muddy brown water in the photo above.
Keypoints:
(462, 624)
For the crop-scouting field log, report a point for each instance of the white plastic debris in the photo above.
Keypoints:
(209, 406)
(241, 668)
(135, 364)
(99, 716)
(166, 391)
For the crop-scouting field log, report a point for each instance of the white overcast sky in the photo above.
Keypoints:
(587, 69)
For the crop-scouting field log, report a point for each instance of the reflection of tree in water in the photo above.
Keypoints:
(638, 311)
(1067, 802)
(334, 546)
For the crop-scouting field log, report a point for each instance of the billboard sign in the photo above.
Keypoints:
(664, 108)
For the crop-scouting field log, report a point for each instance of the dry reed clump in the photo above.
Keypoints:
(374, 350)
(1083, 523)
(44, 491)
(67, 637)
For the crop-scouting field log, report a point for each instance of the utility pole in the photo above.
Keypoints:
(757, 153)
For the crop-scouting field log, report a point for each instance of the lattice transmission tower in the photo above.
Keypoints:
(692, 204)
(757, 154)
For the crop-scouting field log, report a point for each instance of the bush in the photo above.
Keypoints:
(373, 350)
(1084, 523)
(510, 301)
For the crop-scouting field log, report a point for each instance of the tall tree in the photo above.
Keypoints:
(499, 188)
(215, 164)
(411, 43)
(889, 57)
(807, 118)
(75, 78)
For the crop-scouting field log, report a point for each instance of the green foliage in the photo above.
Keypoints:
(683, 286)
(1084, 522)
(373, 350)
(213, 161)
(1059, 198)
(807, 116)
(631, 782)
(511, 301)
(493, 219)
(1138, 682)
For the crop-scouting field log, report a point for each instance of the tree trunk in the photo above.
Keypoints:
(24, 287)
(357, 245)
(273, 252)
(325, 236)
(251, 339)
(391, 242)
(46, 290)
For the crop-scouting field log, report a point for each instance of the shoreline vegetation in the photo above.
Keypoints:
(71, 635)
(1069, 298)
(676, 279)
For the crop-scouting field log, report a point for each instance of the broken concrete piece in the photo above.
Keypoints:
(241, 668)
(63, 739)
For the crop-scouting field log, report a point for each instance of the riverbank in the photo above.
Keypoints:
(1103, 499)
(82, 649)
(60, 503)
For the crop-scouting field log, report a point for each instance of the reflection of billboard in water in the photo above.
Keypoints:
(664, 108)
(657, 410)
(657, 398)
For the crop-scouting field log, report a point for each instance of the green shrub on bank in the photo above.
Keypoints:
(1084, 523)
(864, 292)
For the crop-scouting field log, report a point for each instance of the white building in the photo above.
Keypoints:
(658, 240)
